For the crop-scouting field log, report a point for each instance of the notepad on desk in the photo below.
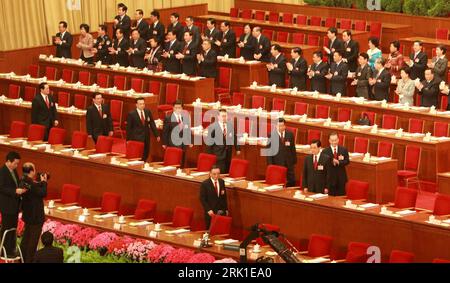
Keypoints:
(406, 212)
(225, 242)
(135, 163)
(198, 174)
(69, 208)
(369, 205)
(140, 224)
(318, 196)
(316, 260)
(167, 168)
(273, 188)
(178, 231)
(105, 216)
(98, 155)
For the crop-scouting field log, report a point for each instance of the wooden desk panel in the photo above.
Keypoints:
(444, 183)
(243, 75)
(391, 32)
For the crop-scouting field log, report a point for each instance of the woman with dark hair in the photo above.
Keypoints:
(405, 87)
(373, 52)
(439, 63)
(153, 55)
(86, 44)
(395, 59)
(247, 43)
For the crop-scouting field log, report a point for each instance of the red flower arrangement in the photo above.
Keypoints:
(202, 258)
(179, 256)
(82, 238)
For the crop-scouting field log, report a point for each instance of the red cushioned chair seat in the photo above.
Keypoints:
(406, 174)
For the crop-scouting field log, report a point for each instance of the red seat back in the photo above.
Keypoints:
(70, 194)
(30, 93)
(172, 93)
(36, 132)
(234, 12)
(405, 197)
(440, 129)
(357, 252)
(238, 99)
(67, 76)
(279, 104)
(268, 33)
(110, 202)
(389, 121)
(319, 245)
(412, 158)
(416, 125)
(173, 156)
(220, 225)
(258, 101)
(426, 200)
(246, 14)
(442, 33)
(57, 136)
(357, 190)
(155, 87)
(302, 20)
(238, 168)
(360, 25)
(120, 82)
(401, 257)
(116, 108)
(63, 99)
(314, 135)
(13, 92)
(135, 150)
(50, 73)
(301, 108)
(282, 36)
(442, 205)
(274, 16)
(80, 101)
(225, 77)
(182, 216)
(33, 71)
(315, 21)
(288, 18)
(17, 129)
(346, 24)
(313, 40)
(104, 144)
(322, 111)
(298, 38)
(344, 114)
(385, 149)
(84, 77)
(205, 162)
(330, 22)
(260, 15)
(361, 145)
(276, 175)
(103, 80)
(79, 140)
(371, 115)
(145, 209)
(137, 85)
(375, 29)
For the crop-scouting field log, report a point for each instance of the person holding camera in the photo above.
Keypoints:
(32, 209)
(10, 193)
(213, 196)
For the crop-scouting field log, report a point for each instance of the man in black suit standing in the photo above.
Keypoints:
(297, 68)
(32, 210)
(227, 41)
(338, 74)
(119, 50)
(381, 81)
(418, 61)
(177, 129)
(220, 140)
(362, 76)
(63, 42)
(172, 48)
(43, 110)
(137, 50)
(334, 43)
(262, 50)
(207, 60)
(212, 34)
(316, 170)
(317, 73)
(49, 253)
(141, 25)
(213, 196)
(350, 51)
(10, 194)
(194, 29)
(122, 21)
(156, 29)
(139, 123)
(98, 118)
(339, 160)
(175, 26)
(277, 67)
(102, 44)
(429, 90)
(282, 150)
(188, 55)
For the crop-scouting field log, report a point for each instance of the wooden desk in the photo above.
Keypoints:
(69, 121)
(357, 109)
(298, 219)
(360, 36)
(444, 183)
(189, 90)
(243, 74)
(428, 44)
(129, 102)
(391, 32)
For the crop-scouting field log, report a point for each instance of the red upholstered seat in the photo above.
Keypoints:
(274, 16)
(440, 129)
(360, 25)
(411, 165)
(442, 205)
(371, 115)
(205, 162)
(80, 101)
(322, 111)
(145, 209)
(238, 168)
(84, 77)
(405, 198)
(260, 15)
(315, 21)
(342, 139)
(278, 104)
(155, 87)
(110, 202)
(29, 94)
(319, 245)
(79, 140)
(182, 216)
(314, 135)
(288, 18)
(239, 31)
(17, 129)
(33, 71)
(385, 149)
(282, 36)
(103, 80)
(104, 144)
(268, 33)
(276, 175)
(172, 91)
(246, 14)
(425, 200)
(220, 225)
(389, 121)
(401, 257)
(444, 103)
(173, 156)
(63, 99)
(116, 108)
(258, 101)
(442, 33)
(137, 85)
(13, 92)
(234, 12)
(294, 131)
(357, 190)
(67, 75)
(357, 252)
(302, 20)
(344, 114)
(135, 150)
(70, 194)
(238, 99)
(313, 40)
(224, 84)
(36, 133)
(330, 22)
(361, 145)
(50, 73)
(346, 24)
(120, 82)
(416, 125)
(298, 38)
(375, 29)
(57, 136)
(301, 108)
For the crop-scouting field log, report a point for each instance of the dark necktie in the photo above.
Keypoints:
(315, 162)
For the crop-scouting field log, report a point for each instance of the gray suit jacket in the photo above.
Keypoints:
(440, 68)
(363, 75)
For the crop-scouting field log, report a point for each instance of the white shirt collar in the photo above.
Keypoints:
(318, 155)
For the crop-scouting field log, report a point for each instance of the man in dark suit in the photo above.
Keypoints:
(43, 110)
(418, 61)
(175, 26)
(98, 118)
(102, 44)
(277, 67)
(282, 150)
(139, 123)
(157, 29)
(362, 76)
(297, 68)
(338, 74)
(247, 43)
(188, 55)
(334, 43)
(263, 45)
(141, 25)
(122, 21)
(176, 130)
(339, 160)
(429, 90)
(381, 81)
(227, 41)
(49, 253)
(120, 48)
(10, 194)
(137, 50)
(207, 60)
(213, 196)
(173, 47)
(350, 51)
(32, 210)
(194, 29)
(317, 73)
(316, 170)
(63, 42)
(212, 34)
(220, 140)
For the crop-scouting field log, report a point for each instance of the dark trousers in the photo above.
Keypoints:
(290, 176)
(87, 60)
(9, 221)
(448, 107)
(30, 241)
(207, 221)
(337, 187)
(146, 149)
(224, 164)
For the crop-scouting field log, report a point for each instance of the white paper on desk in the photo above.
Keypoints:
(273, 188)
(178, 231)
(225, 242)
(318, 196)
(135, 163)
(16, 141)
(369, 205)
(167, 168)
(302, 146)
(98, 155)
(40, 145)
(317, 260)
(232, 180)
(69, 208)
(355, 154)
(406, 212)
(252, 62)
(387, 131)
(361, 127)
(440, 138)
(139, 224)
(198, 174)
(443, 113)
(415, 135)
(105, 216)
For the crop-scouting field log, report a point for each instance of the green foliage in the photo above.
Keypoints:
(417, 7)
(330, 3)
(440, 9)
(392, 5)
(90, 256)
